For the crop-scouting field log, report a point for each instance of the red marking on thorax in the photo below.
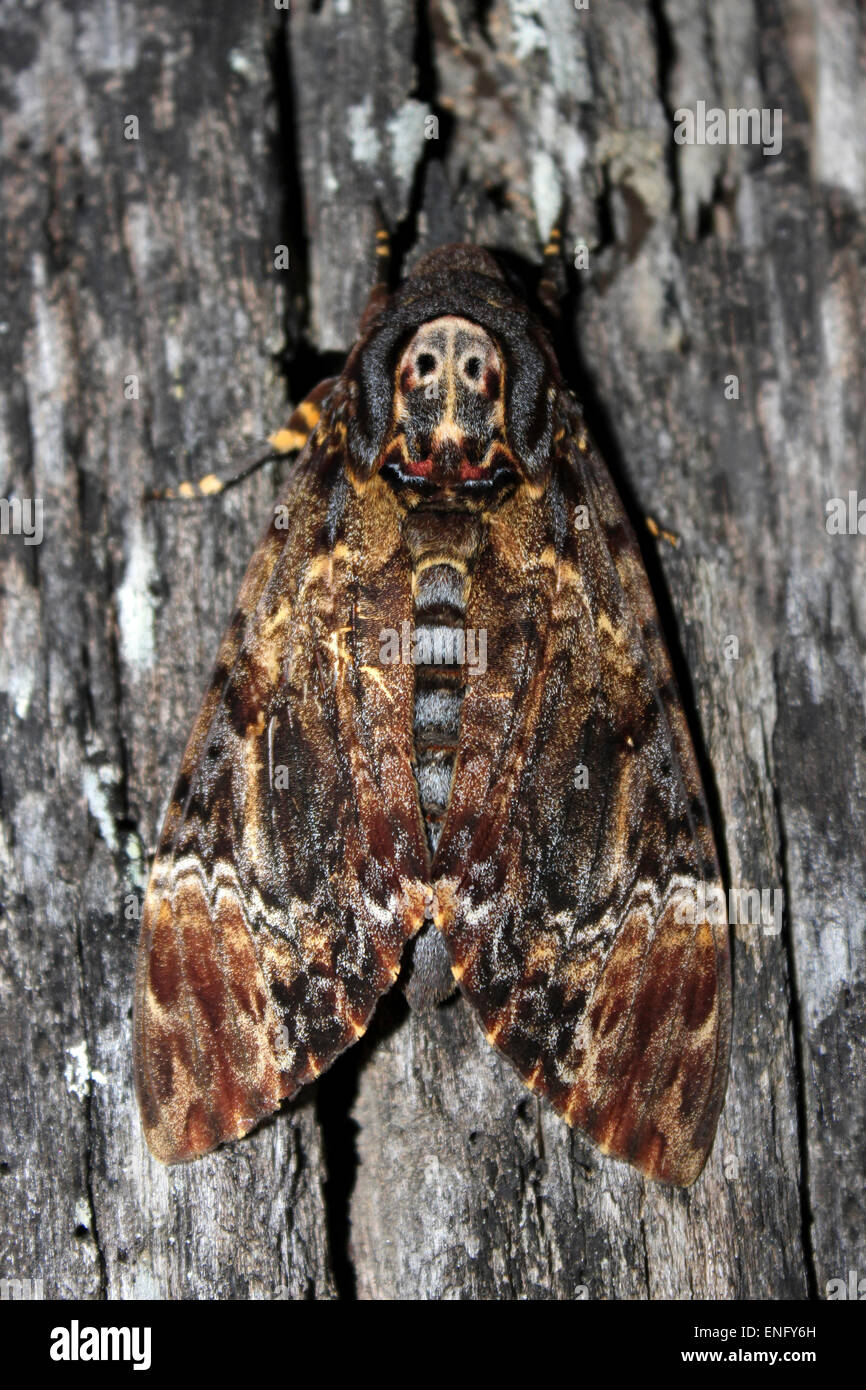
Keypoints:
(420, 468)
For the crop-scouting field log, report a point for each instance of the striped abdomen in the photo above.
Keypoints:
(439, 616)
(442, 546)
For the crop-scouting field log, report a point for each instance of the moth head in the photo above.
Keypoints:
(455, 381)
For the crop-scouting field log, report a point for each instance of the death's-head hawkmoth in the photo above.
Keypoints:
(443, 711)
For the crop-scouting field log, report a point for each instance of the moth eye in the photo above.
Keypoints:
(425, 363)
(472, 368)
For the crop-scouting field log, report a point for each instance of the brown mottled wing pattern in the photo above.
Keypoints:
(577, 837)
(291, 866)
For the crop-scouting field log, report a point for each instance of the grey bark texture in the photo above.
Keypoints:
(419, 1167)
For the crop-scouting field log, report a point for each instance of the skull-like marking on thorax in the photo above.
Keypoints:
(448, 423)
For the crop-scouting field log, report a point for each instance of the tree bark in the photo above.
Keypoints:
(148, 336)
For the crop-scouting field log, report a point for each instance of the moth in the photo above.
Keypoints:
(530, 828)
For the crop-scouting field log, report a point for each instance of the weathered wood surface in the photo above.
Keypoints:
(419, 1167)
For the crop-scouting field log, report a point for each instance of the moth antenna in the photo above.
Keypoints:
(383, 248)
(380, 289)
(553, 285)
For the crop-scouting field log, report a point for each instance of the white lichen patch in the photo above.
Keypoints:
(406, 139)
(240, 64)
(97, 784)
(82, 1214)
(546, 192)
(136, 862)
(527, 29)
(20, 648)
(78, 1074)
(363, 138)
(135, 604)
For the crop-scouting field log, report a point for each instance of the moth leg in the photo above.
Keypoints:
(302, 421)
(196, 489)
(657, 531)
(288, 440)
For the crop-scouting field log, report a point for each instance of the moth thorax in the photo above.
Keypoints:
(448, 424)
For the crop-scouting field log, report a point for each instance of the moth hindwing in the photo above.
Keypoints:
(443, 711)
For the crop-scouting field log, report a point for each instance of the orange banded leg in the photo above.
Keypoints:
(302, 421)
(288, 440)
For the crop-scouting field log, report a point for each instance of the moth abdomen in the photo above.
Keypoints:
(436, 723)
(440, 592)
(439, 691)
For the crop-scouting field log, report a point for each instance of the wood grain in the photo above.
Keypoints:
(419, 1167)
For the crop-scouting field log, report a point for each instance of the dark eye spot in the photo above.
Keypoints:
(472, 368)
(425, 364)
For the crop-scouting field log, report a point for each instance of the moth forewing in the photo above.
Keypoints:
(278, 907)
